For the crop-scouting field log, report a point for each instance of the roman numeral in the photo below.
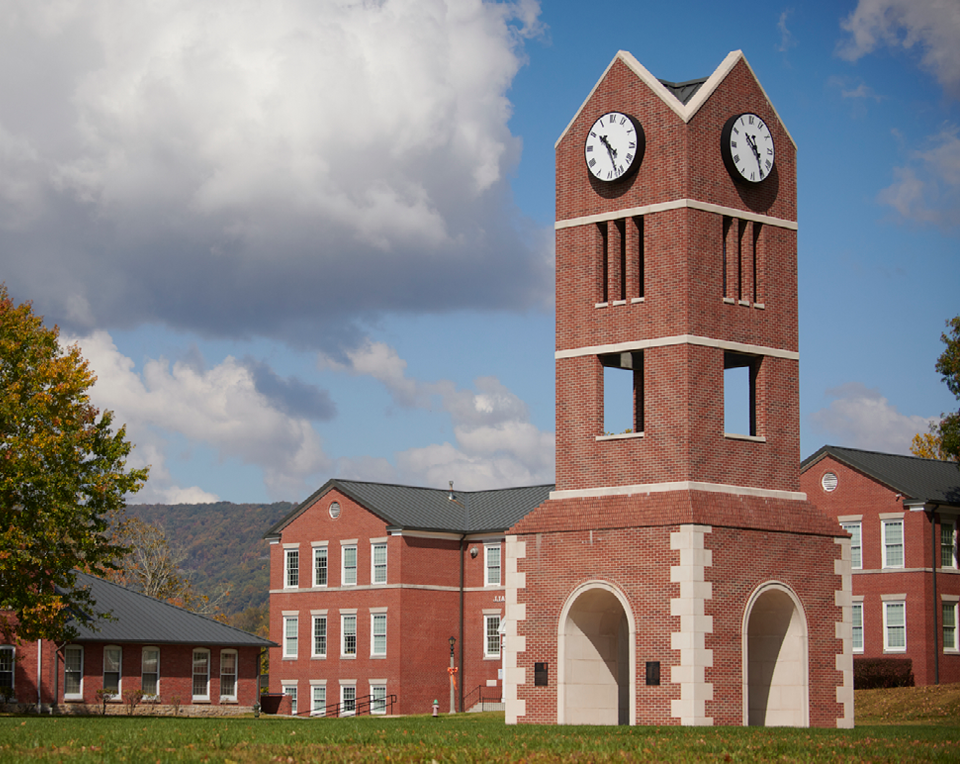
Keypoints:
(592, 162)
(770, 152)
(589, 147)
(769, 165)
(736, 159)
(750, 119)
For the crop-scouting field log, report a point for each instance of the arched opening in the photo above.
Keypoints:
(595, 657)
(776, 684)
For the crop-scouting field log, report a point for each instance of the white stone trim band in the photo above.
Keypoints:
(676, 204)
(678, 339)
(681, 485)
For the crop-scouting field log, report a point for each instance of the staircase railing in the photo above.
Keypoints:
(482, 695)
(364, 704)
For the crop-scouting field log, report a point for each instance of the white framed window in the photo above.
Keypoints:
(201, 674)
(318, 699)
(858, 627)
(892, 543)
(378, 634)
(73, 672)
(291, 626)
(228, 675)
(378, 563)
(948, 545)
(950, 627)
(291, 578)
(856, 556)
(348, 631)
(320, 566)
(894, 627)
(348, 699)
(491, 636)
(319, 636)
(7, 664)
(349, 574)
(491, 557)
(112, 670)
(378, 699)
(291, 690)
(150, 672)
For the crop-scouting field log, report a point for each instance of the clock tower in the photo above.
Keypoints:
(677, 575)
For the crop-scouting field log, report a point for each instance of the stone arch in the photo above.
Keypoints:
(776, 684)
(596, 657)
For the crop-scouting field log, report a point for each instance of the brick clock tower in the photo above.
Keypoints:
(677, 575)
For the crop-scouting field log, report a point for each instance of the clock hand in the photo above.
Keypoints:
(610, 150)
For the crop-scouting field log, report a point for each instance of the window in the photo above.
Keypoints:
(379, 556)
(491, 633)
(894, 627)
(348, 629)
(319, 636)
(948, 551)
(201, 675)
(349, 565)
(318, 700)
(893, 543)
(319, 566)
(291, 690)
(858, 627)
(621, 252)
(623, 392)
(348, 699)
(290, 625)
(378, 628)
(112, 659)
(856, 560)
(740, 374)
(292, 580)
(73, 673)
(228, 675)
(950, 626)
(150, 671)
(378, 699)
(491, 554)
(6, 667)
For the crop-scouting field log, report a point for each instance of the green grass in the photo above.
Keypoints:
(927, 735)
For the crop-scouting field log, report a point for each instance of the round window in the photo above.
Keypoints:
(828, 482)
(334, 509)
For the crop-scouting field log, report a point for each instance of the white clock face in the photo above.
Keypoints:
(748, 148)
(614, 146)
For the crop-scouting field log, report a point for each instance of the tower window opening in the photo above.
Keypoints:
(757, 227)
(740, 393)
(622, 231)
(727, 221)
(605, 263)
(623, 392)
(741, 230)
(638, 229)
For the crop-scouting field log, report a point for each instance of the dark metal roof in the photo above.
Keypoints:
(926, 480)
(139, 618)
(684, 91)
(432, 509)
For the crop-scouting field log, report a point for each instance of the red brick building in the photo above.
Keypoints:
(369, 581)
(181, 661)
(902, 513)
(677, 575)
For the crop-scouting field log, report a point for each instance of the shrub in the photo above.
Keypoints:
(874, 673)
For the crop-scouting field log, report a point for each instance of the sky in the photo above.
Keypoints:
(314, 239)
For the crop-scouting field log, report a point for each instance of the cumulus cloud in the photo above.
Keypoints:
(931, 26)
(786, 36)
(286, 169)
(221, 408)
(860, 417)
(927, 189)
(496, 444)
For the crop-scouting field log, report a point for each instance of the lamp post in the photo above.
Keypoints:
(453, 681)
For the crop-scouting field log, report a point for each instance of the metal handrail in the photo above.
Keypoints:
(361, 704)
(495, 695)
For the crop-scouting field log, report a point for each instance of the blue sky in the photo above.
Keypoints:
(306, 240)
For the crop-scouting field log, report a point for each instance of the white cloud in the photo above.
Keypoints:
(786, 37)
(860, 417)
(220, 408)
(931, 25)
(496, 444)
(219, 169)
(928, 189)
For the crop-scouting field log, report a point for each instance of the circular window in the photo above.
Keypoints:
(334, 510)
(828, 482)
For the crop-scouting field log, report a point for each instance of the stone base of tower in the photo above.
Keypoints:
(660, 609)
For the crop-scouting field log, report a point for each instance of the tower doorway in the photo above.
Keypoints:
(595, 658)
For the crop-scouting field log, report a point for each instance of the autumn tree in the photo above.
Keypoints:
(63, 478)
(927, 445)
(948, 366)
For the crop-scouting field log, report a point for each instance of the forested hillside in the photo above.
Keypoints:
(224, 546)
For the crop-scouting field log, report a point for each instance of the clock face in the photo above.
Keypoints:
(614, 147)
(747, 148)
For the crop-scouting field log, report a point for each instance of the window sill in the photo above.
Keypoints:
(200, 701)
(348, 657)
(620, 436)
(491, 657)
(729, 301)
(635, 300)
(894, 650)
(228, 701)
(600, 304)
(619, 302)
(73, 699)
(289, 657)
(377, 657)
(750, 438)
(318, 657)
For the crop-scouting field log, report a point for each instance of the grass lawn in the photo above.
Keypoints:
(916, 724)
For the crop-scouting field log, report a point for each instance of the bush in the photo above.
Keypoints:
(874, 673)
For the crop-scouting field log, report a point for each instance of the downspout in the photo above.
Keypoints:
(463, 679)
(56, 675)
(936, 634)
(39, 676)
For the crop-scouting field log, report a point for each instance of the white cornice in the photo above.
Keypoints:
(676, 204)
(682, 485)
(680, 339)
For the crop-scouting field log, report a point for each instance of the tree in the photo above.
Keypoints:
(63, 478)
(948, 365)
(928, 445)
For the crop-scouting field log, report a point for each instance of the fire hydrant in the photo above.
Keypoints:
(436, 708)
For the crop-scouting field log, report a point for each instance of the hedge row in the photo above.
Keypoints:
(872, 673)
